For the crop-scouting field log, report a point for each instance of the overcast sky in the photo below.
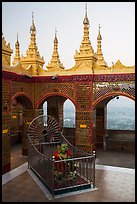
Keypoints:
(123, 102)
(117, 21)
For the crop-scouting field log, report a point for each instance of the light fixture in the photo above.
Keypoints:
(55, 77)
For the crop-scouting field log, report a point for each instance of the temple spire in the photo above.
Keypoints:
(86, 42)
(17, 52)
(86, 50)
(86, 21)
(55, 38)
(33, 28)
(100, 58)
(33, 58)
(55, 61)
(32, 45)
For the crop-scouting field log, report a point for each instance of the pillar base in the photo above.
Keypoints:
(6, 168)
(25, 152)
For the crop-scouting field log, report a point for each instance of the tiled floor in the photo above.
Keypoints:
(113, 184)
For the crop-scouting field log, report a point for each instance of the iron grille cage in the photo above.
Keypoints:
(60, 176)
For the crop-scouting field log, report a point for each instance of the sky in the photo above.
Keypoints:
(123, 102)
(117, 21)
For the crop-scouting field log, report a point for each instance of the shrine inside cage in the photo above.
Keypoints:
(60, 166)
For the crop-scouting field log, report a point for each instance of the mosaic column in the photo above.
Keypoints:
(84, 117)
(6, 121)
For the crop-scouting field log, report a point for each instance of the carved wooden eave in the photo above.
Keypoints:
(32, 70)
(101, 69)
(82, 67)
(7, 68)
(53, 71)
(118, 67)
(16, 69)
(55, 66)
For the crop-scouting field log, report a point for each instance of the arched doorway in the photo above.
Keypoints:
(59, 106)
(120, 141)
(121, 124)
(69, 118)
(21, 105)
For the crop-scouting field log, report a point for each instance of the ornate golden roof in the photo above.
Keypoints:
(6, 52)
(86, 60)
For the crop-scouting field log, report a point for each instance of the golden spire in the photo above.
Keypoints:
(100, 58)
(86, 44)
(32, 45)
(55, 39)
(55, 61)
(86, 50)
(99, 35)
(17, 52)
(33, 28)
(86, 21)
(32, 58)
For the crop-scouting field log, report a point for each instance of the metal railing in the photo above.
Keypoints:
(76, 172)
(62, 175)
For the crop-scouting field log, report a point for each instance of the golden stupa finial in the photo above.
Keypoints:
(55, 39)
(55, 61)
(33, 59)
(55, 31)
(86, 50)
(17, 36)
(33, 28)
(99, 54)
(99, 35)
(17, 52)
(17, 43)
(86, 9)
(86, 21)
(99, 27)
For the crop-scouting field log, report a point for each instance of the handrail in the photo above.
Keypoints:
(74, 158)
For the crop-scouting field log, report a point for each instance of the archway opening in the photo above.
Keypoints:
(63, 110)
(18, 132)
(69, 114)
(115, 131)
(69, 121)
(121, 124)
(124, 108)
